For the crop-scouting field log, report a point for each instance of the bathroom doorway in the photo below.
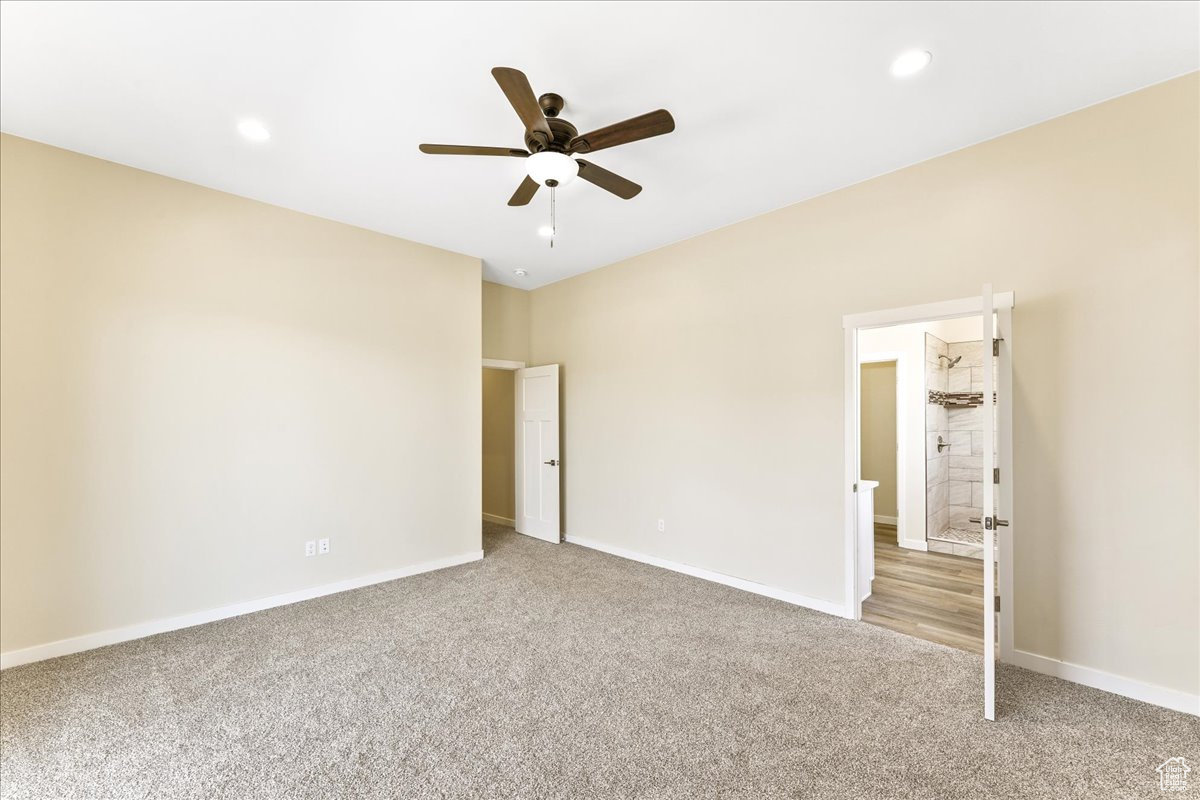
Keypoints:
(943, 570)
(922, 582)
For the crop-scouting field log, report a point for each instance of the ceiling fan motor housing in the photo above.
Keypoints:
(562, 130)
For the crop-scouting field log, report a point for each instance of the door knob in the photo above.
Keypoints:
(552, 462)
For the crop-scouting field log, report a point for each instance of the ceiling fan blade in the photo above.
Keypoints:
(656, 123)
(524, 192)
(516, 88)
(468, 150)
(609, 181)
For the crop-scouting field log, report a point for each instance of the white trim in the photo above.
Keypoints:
(882, 520)
(914, 544)
(1108, 682)
(77, 644)
(929, 312)
(496, 363)
(852, 603)
(499, 520)
(824, 606)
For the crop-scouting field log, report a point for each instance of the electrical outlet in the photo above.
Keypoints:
(323, 546)
(662, 526)
(310, 549)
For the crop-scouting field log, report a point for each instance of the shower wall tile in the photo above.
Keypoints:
(960, 516)
(936, 377)
(973, 430)
(959, 493)
(932, 417)
(935, 497)
(971, 353)
(936, 472)
(937, 423)
(964, 419)
(936, 523)
(956, 474)
(965, 462)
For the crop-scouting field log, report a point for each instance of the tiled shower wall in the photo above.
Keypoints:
(937, 423)
(969, 433)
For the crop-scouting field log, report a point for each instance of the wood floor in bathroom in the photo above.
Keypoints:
(933, 596)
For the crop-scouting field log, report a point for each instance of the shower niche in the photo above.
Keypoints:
(957, 428)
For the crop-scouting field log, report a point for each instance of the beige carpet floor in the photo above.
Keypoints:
(559, 672)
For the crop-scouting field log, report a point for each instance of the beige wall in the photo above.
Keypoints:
(702, 382)
(195, 384)
(505, 322)
(499, 446)
(878, 433)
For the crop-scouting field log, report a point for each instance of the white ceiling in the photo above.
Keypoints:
(773, 102)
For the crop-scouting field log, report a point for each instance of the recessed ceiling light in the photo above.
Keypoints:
(911, 62)
(546, 230)
(520, 273)
(254, 130)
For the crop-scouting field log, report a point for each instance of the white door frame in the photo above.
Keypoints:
(883, 357)
(496, 363)
(929, 312)
(511, 366)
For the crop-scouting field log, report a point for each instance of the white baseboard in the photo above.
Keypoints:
(824, 606)
(89, 641)
(914, 544)
(1106, 681)
(512, 523)
(882, 520)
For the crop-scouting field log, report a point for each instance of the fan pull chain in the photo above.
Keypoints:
(553, 219)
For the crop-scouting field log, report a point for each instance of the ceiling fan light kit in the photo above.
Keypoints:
(552, 169)
(553, 142)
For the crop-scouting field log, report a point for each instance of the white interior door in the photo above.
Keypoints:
(537, 452)
(990, 520)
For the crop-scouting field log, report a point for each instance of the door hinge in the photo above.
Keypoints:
(996, 475)
(995, 347)
(854, 488)
(997, 603)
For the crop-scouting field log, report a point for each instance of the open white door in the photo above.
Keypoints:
(537, 452)
(990, 520)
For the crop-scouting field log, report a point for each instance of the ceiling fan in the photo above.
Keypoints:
(552, 141)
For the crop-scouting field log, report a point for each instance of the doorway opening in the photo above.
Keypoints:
(941, 567)
(521, 459)
(499, 447)
(919, 451)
